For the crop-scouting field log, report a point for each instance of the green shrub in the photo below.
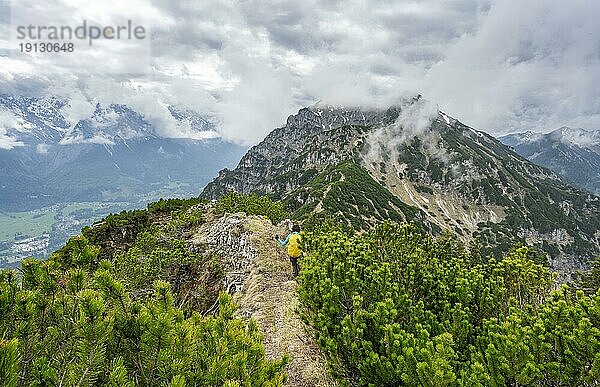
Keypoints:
(397, 307)
(83, 328)
(252, 204)
(128, 311)
(590, 280)
(117, 231)
(167, 206)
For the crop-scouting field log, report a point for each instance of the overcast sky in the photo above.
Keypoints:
(500, 66)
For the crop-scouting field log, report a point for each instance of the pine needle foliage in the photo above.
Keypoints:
(72, 322)
(396, 307)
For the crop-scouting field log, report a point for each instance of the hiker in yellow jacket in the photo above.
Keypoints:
(293, 241)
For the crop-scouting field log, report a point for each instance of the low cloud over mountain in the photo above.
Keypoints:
(252, 63)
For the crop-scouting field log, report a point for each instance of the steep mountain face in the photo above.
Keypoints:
(572, 153)
(115, 154)
(410, 162)
(309, 141)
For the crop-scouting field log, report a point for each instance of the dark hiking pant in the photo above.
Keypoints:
(295, 267)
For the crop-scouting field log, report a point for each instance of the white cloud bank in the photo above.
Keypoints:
(499, 65)
(9, 121)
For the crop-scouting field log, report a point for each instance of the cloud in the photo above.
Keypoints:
(255, 104)
(96, 139)
(7, 142)
(414, 121)
(9, 123)
(531, 69)
(500, 66)
(42, 148)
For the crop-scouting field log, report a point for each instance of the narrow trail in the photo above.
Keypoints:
(259, 272)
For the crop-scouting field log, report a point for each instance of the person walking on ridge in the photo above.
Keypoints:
(293, 241)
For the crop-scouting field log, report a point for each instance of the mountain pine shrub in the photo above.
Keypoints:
(252, 204)
(138, 318)
(397, 307)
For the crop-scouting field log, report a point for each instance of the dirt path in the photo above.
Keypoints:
(269, 296)
(259, 270)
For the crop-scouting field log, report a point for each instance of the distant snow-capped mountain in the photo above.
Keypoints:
(27, 120)
(114, 154)
(30, 121)
(573, 153)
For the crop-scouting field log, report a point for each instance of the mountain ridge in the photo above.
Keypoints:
(440, 172)
(113, 155)
(572, 153)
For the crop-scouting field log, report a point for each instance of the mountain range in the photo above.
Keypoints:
(573, 153)
(116, 154)
(386, 306)
(410, 162)
(350, 166)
